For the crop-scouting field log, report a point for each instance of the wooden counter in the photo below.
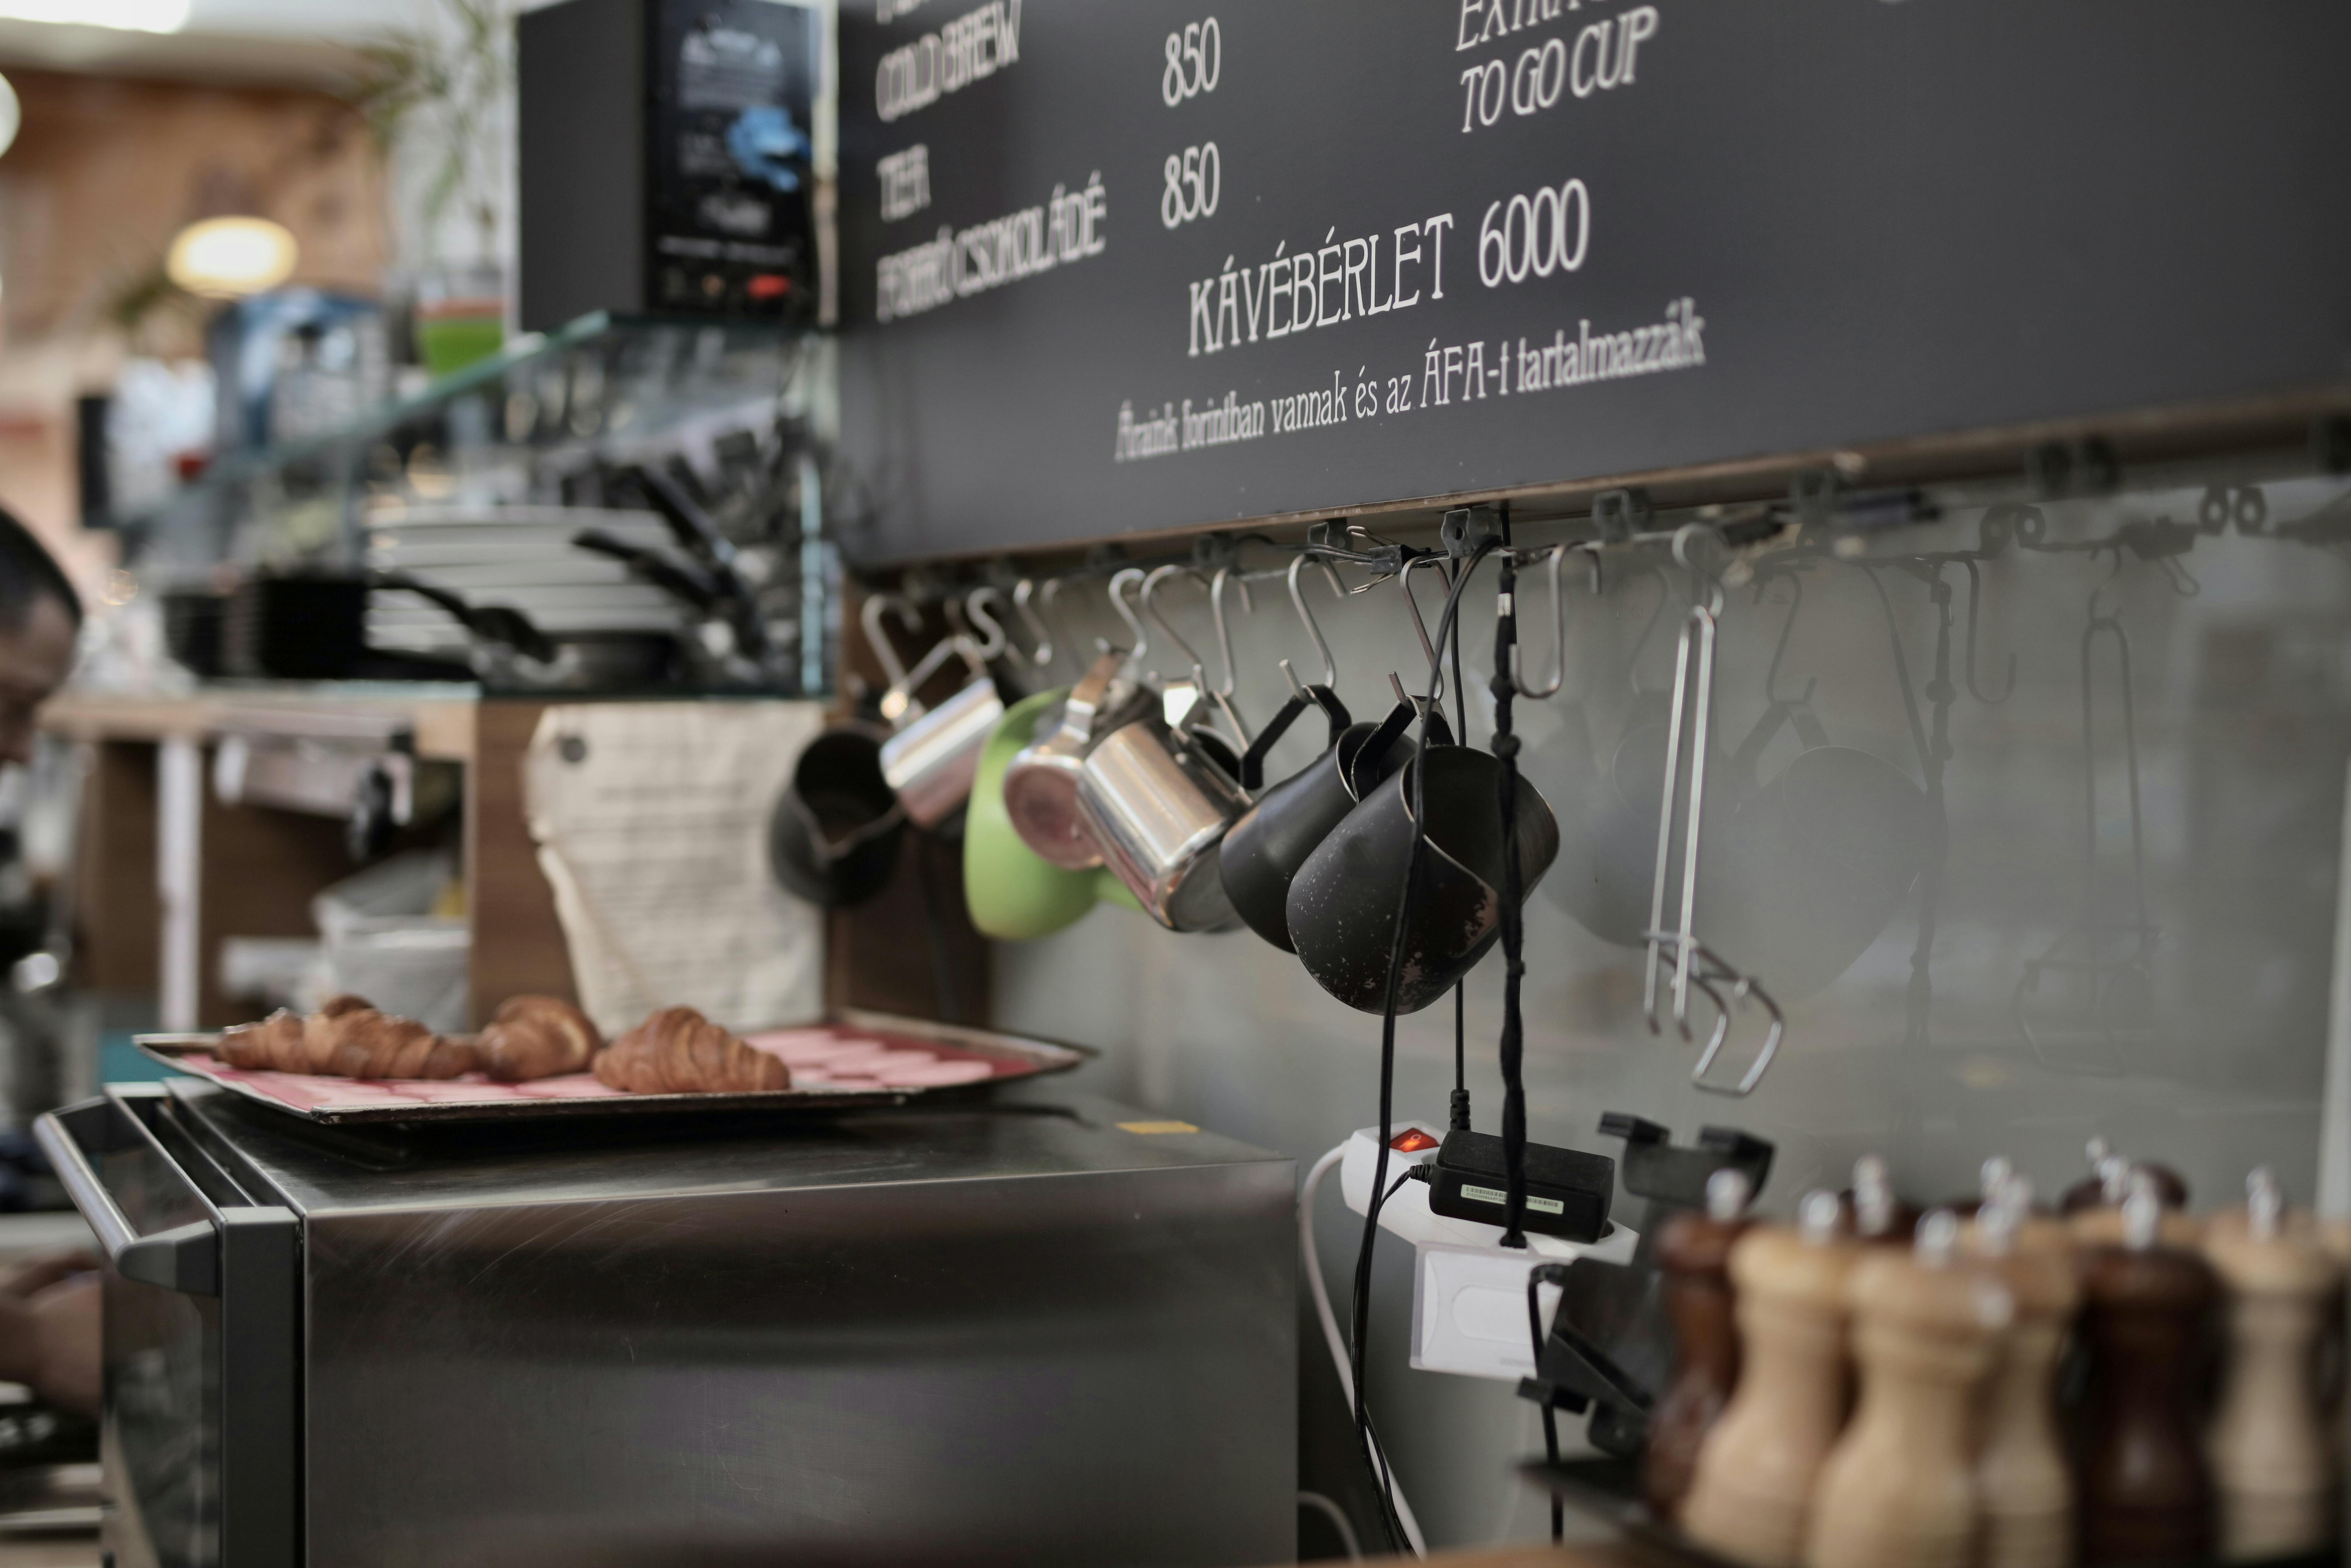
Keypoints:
(442, 725)
(165, 870)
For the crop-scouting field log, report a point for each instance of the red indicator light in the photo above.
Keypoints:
(768, 286)
(1411, 1141)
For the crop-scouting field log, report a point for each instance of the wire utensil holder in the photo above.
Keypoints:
(1696, 966)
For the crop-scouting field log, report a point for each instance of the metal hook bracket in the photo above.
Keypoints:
(1466, 530)
(1621, 514)
(2085, 467)
(1324, 540)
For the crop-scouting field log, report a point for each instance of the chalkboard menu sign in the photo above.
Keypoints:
(1117, 265)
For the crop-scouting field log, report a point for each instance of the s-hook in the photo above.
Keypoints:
(1297, 603)
(1120, 582)
(870, 617)
(1024, 593)
(1975, 602)
(1420, 627)
(977, 608)
(1780, 648)
(1220, 698)
(2123, 986)
(1227, 577)
(1552, 561)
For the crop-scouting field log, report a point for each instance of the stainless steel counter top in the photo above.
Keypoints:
(1038, 1130)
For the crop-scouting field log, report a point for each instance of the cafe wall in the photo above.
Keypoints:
(104, 173)
(2160, 977)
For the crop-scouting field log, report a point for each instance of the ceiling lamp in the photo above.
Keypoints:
(128, 16)
(228, 258)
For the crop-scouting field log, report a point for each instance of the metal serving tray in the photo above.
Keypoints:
(1010, 1057)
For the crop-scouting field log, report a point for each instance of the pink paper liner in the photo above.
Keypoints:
(823, 1058)
(935, 1074)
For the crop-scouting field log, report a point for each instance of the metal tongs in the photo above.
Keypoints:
(2112, 960)
(1694, 965)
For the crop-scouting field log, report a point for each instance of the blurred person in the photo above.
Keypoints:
(40, 617)
(49, 1330)
(49, 1307)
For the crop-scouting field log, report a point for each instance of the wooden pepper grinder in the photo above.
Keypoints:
(2272, 1463)
(2094, 1204)
(2027, 1491)
(1694, 1252)
(2104, 1187)
(1753, 1484)
(1899, 1490)
(2147, 1494)
(1878, 1217)
(1994, 1178)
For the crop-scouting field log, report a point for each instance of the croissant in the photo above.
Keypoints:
(679, 1052)
(347, 1038)
(273, 1045)
(377, 1045)
(535, 1037)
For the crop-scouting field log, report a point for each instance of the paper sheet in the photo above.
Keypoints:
(652, 825)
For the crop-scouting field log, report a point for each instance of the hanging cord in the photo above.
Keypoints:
(1514, 969)
(1360, 1322)
(1458, 1122)
(1311, 1260)
(1537, 1278)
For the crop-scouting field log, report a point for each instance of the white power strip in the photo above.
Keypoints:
(1468, 1291)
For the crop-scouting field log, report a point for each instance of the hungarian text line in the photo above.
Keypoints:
(1450, 373)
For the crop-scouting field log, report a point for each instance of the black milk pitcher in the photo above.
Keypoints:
(1343, 903)
(1265, 849)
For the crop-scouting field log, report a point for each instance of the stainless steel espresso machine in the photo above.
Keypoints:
(1039, 1329)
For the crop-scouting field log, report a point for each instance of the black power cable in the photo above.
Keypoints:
(1459, 1121)
(1360, 1313)
(1514, 969)
(1539, 1276)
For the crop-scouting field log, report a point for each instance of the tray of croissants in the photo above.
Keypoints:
(541, 1057)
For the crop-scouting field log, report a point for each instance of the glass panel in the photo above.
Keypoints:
(161, 1431)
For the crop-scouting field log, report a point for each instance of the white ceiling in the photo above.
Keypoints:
(339, 20)
(289, 42)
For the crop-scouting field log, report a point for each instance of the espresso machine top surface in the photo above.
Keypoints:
(1039, 1131)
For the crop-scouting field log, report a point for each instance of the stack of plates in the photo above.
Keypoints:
(521, 557)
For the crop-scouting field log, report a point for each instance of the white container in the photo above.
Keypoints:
(381, 942)
(416, 966)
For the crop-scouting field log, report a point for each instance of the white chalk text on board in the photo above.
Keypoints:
(961, 263)
(972, 48)
(905, 178)
(1449, 374)
(1195, 62)
(1321, 286)
(1605, 56)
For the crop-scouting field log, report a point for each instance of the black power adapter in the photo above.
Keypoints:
(1568, 1191)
